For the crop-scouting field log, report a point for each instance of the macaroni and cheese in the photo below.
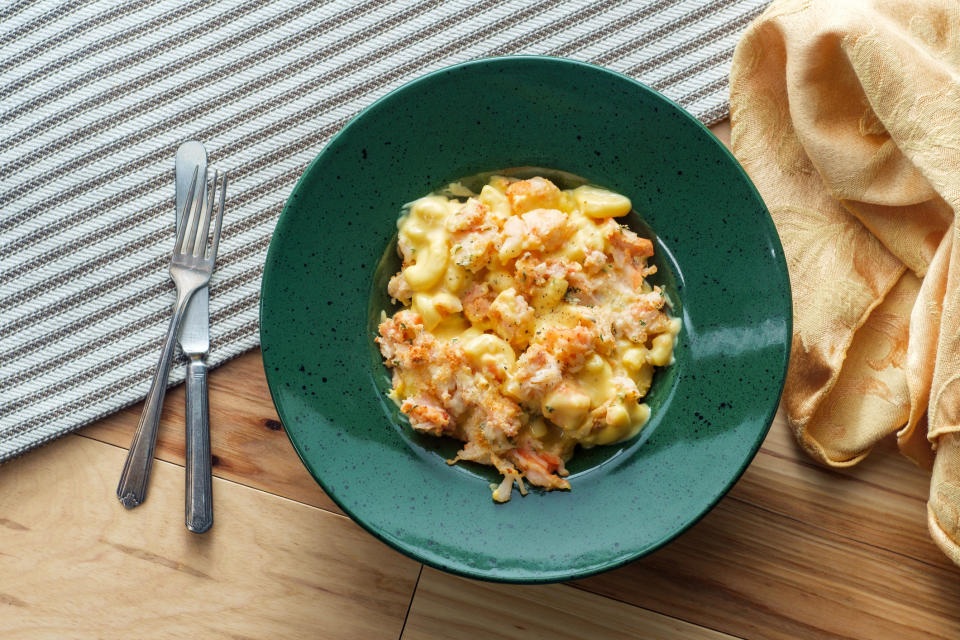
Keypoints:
(528, 326)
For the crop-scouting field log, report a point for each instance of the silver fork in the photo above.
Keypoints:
(190, 267)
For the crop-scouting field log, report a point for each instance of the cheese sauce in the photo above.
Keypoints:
(528, 326)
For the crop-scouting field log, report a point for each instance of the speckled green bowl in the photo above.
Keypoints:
(719, 257)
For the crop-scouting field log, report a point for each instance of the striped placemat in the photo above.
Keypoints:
(95, 97)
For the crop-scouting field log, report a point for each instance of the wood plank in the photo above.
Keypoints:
(749, 572)
(722, 131)
(246, 437)
(77, 564)
(881, 501)
(455, 608)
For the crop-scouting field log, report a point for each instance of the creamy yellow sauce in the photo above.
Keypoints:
(519, 282)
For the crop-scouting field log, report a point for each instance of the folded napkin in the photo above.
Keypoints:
(847, 117)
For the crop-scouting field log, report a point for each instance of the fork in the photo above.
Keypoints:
(190, 268)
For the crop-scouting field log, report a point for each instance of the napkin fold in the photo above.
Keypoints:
(847, 117)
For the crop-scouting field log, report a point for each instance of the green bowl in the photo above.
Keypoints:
(720, 261)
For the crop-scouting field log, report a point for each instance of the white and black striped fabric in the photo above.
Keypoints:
(95, 97)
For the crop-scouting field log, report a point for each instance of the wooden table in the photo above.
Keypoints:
(794, 551)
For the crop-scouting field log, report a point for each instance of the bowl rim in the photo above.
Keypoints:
(411, 551)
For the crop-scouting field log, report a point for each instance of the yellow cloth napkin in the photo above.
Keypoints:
(846, 114)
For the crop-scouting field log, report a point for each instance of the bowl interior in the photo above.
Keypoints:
(446, 448)
(719, 258)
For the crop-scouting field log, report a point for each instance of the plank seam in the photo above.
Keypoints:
(413, 595)
(583, 588)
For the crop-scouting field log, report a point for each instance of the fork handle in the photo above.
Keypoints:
(132, 489)
(199, 500)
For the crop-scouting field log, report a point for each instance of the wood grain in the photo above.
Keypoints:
(750, 572)
(247, 439)
(76, 564)
(881, 501)
(454, 608)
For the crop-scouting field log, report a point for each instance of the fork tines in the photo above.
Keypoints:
(197, 215)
